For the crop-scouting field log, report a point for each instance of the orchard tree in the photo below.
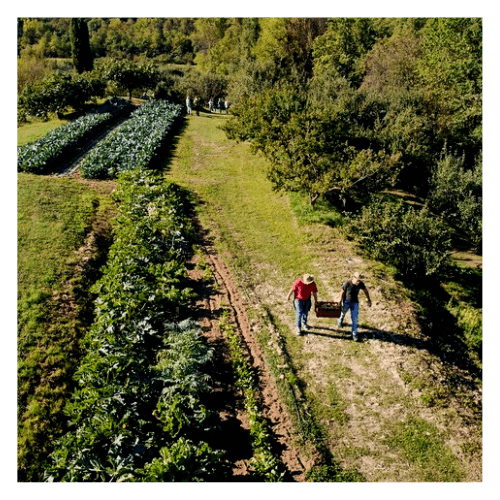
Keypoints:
(451, 69)
(129, 76)
(80, 45)
(341, 48)
(312, 142)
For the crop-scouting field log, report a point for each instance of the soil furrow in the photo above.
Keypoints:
(210, 305)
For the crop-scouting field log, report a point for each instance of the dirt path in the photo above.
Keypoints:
(213, 298)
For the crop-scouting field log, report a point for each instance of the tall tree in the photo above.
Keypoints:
(80, 45)
(311, 137)
(342, 47)
(451, 68)
(20, 27)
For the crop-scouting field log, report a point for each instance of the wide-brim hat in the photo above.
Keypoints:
(358, 276)
(307, 278)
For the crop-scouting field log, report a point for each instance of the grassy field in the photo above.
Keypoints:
(62, 231)
(388, 408)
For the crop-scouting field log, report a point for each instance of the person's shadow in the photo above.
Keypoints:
(448, 358)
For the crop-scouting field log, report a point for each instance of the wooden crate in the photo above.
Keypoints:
(327, 309)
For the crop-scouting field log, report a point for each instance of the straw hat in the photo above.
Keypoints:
(307, 279)
(358, 276)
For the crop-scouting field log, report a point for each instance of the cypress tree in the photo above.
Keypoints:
(80, 45)
(20, 28)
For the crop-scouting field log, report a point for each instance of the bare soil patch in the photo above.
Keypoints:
(213, 298)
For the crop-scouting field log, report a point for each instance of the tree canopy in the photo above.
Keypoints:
(342, 107)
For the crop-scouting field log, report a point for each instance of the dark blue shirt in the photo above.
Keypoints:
(351, 290)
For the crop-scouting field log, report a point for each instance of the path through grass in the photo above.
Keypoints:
(362, 397)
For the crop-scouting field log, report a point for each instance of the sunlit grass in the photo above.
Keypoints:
(421, 445)
(270, 239)
(228, 175)
(29, 132)
(54, 217)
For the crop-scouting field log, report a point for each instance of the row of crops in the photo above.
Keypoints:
(138, 412)
(137, 409)
(134, 143)
(47, 153)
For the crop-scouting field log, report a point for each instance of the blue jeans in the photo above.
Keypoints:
(354, 307)
(302, 308)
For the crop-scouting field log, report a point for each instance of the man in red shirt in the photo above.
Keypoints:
(302, 290)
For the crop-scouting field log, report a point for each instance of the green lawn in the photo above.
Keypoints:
(233, 181)
(53, 217)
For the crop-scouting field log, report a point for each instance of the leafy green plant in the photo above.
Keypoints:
(141, 378)
(183, 461)
(134, 143)
(415, 243)
(43, 155)
(264, 462)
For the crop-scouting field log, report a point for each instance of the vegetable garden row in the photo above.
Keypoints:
(134, 143)
(45, 154)
(142, 377)
(137, 414)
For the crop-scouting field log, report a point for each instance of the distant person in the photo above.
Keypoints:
(302, 290)
(188, 104)
(221, 105)
(211, 105)
(226, 106)
(349, 300)
(197, 105)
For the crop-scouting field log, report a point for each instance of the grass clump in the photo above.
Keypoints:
(422, 446)
(321, 212)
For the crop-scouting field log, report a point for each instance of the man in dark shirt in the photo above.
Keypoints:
(349, 297)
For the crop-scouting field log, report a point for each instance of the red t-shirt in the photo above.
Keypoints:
(302, 290)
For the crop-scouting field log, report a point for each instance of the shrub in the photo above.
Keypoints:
(470, 321)
(456, 192)
(58, 92)
(411, 240)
